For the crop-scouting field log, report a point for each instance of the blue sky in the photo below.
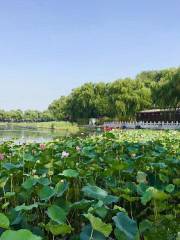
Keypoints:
(48, 47)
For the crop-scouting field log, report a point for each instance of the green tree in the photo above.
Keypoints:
(58, 108)
(168, 91)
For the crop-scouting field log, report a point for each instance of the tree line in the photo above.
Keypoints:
(25, 116)
(120, 99)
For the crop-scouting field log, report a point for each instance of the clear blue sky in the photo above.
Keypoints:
(48, 47)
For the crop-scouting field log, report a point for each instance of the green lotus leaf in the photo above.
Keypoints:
(46, 193)
(5, 205)
(158, 165)
(101, 212)
(126, 225)
(82, 204)
(110, 199)
(147, 196)
(159, 195)
(94, 192)
(26, 208)
(163, 178)
(57, 214)
(29, 183)
(153, 193)
(88, 233)
(141, 188)
(145, 225)
(44, 181)
(59, 229)
(170, 188)
(119, 235)
(3, 181)
(61, 187)
(10, 166)
(70, 173)
(22, 234)
(29, 157)
(98, 225)
(4, 221)
(119, 208)
(176, 181)
(9, 194)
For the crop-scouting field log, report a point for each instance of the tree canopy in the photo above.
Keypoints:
(27, 116)
(120, 99)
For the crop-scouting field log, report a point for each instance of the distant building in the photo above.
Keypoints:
(156, 115)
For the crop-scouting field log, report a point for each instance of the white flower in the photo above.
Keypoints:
(64, 154)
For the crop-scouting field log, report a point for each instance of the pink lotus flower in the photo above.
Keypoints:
(64, 154)
(42, 146)
(1, 156)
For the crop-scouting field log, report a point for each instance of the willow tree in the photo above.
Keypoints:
(168, 92)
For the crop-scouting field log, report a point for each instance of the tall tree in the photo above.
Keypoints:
(58, 108)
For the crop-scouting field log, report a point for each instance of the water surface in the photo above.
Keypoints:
(30, 134)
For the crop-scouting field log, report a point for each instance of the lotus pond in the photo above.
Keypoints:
(120, 185)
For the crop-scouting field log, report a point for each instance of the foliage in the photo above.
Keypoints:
(122, 98)
(168, 91)
(17, 235)
(58, 108)
(26, 116)
(119, 185)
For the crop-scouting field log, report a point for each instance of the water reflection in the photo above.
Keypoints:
(29, 135)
